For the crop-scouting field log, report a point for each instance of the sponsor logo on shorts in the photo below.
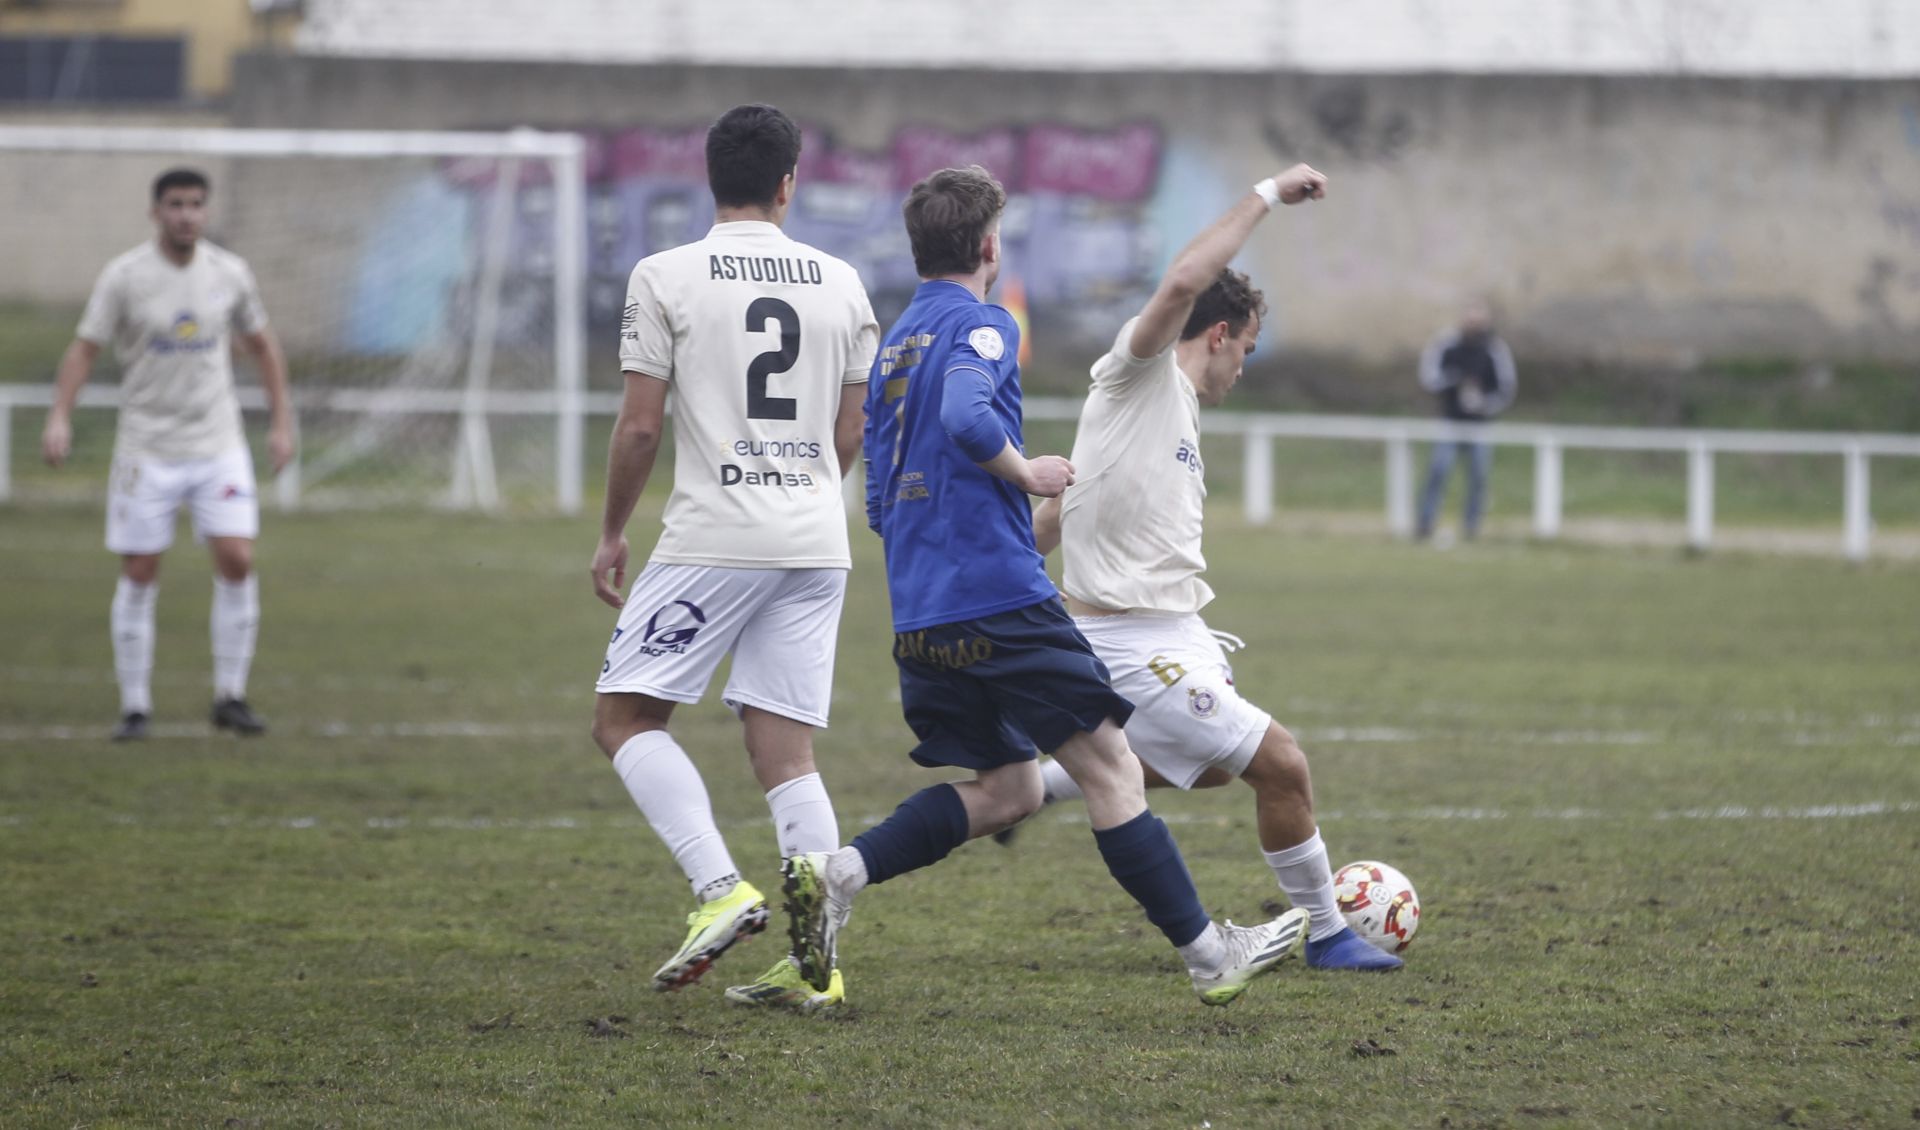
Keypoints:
(671, 628)
(1166, 670)
(1203, 702)
(950, 655)
(234, 490)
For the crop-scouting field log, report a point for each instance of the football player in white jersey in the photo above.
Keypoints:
(1129, 529)
(167, 307)
(765, 344)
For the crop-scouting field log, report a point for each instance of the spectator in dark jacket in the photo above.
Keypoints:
(1470, 370)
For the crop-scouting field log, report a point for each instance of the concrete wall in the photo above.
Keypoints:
(1645, 220)
(1739, 37)
(1656, 219)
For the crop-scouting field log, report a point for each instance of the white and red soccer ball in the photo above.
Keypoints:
(1379, 903)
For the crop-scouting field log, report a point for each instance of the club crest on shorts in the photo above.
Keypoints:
(671, 628)
(987, 343)
(1202, 701)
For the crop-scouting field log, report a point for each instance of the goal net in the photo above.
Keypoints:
(427, 288)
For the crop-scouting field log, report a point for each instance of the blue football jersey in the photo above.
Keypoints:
(959, 541)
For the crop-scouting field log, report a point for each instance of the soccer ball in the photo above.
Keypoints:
(1379, 903)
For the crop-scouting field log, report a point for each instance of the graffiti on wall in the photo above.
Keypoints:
(1082, 243)
(1077, 228)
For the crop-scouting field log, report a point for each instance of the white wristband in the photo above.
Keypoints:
(1269, 191)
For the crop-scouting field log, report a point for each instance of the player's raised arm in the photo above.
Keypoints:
(1202, 260)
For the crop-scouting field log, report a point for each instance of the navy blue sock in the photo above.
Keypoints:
(926, 826)
(1141, 854)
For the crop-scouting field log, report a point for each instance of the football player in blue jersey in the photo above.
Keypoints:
(991, 666)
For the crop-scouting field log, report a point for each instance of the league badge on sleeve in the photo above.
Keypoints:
(986, 341)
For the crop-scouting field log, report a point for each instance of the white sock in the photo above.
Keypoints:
(1206, 953)
(803, 816)
(663, 782)
(233, 623)
(847, 870)
(132, 625)
(1307, 878)
(1059, 786)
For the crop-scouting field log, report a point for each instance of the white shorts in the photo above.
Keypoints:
(144, 497)
(780, 625)
(1187, 716)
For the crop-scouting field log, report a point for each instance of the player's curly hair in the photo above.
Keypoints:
(948, 216)
(1232, 299)
(749, 151)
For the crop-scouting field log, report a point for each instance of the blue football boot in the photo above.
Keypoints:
(1348, 950)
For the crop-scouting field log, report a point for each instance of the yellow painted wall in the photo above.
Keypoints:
(214, 29)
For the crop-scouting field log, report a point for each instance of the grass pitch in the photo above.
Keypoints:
(1664, 816)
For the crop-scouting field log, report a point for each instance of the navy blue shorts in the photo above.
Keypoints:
(984, 693)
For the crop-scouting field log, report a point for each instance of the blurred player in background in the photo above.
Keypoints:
(1130, 528)
(765, 343)
(990, 665)
(167, 307)
(1470, 371)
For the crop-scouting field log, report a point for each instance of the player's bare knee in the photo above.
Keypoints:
(779, 748)
(140, 568)
(1021, 798)
(1279, 765)
(1012, 793)
(1212, 777)
(233, 558)
(618, 717)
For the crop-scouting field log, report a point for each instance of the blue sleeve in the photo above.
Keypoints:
(870, 457)
(966, 410)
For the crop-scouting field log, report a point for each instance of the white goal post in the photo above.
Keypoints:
(424, 282)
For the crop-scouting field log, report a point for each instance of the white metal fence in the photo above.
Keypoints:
(1258, 431)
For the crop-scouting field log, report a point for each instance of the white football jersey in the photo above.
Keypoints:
(170, 327)
(1130, 524)
(758, 334)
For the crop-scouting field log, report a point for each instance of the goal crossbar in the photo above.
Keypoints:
(293, 142)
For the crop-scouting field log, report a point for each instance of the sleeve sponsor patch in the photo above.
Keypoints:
(986, 341)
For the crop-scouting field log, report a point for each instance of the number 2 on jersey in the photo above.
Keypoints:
(760, 406)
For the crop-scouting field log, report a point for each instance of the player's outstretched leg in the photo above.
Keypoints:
(1140, 854)
(1283, 799)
